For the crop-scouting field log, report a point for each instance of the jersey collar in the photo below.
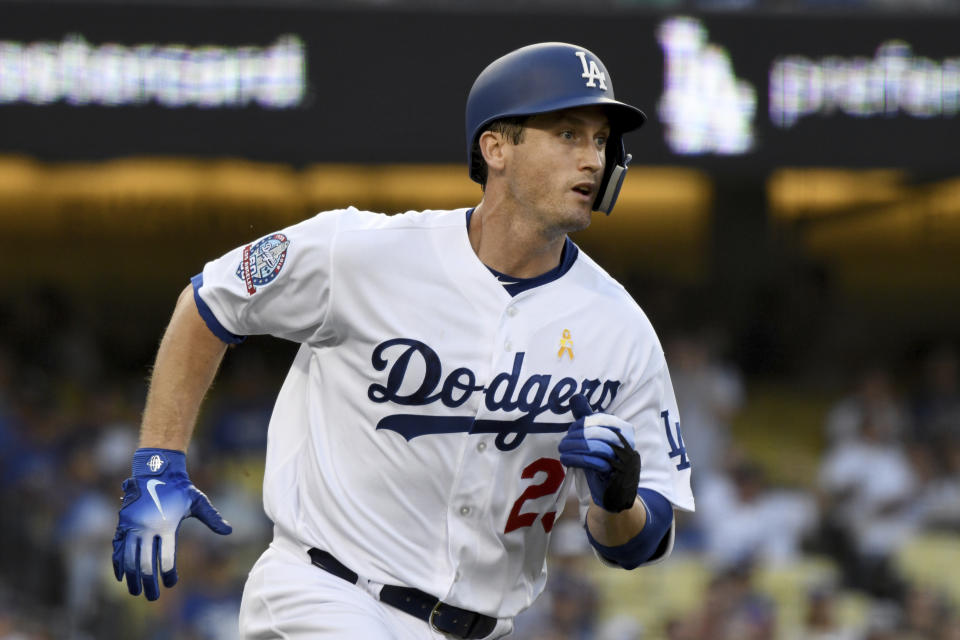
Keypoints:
(515, 286)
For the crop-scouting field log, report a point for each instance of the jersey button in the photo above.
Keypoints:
(464, 511)
(508, 346)
(511, 311)
(481, 446)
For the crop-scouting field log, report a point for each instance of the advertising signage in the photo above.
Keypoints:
(744, 92)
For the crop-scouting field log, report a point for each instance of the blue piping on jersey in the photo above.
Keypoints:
(211, 320)
(515, 286)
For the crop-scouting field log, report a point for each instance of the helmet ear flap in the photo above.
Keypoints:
(616, 170)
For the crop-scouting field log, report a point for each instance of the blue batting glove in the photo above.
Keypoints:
(155, 501)
(603, 446)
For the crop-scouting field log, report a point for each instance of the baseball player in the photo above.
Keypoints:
(460, 372)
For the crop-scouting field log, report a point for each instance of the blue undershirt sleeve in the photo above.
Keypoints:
(647, 544)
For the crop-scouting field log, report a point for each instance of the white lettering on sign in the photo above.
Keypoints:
(78, 73)
(705, 108)
(893, 82)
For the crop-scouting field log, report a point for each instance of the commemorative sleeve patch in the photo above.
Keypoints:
(262, 261)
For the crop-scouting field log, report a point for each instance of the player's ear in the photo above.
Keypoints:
(493, 146)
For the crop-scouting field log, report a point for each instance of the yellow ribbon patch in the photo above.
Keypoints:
(566, 344)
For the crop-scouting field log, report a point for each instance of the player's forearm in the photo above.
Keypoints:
(186, 363)
(613, 529)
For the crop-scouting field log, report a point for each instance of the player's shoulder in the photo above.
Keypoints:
(602, 295)
(604, 289)
(353, 219)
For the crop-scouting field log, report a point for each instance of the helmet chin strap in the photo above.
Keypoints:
(611, 187)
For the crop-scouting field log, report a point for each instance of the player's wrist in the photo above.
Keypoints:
(633, 537)
(621, 510)
(152, 461)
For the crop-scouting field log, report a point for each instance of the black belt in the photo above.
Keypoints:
(439, 615)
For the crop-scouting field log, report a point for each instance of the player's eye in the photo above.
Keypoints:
(566, 134)
(601, 142)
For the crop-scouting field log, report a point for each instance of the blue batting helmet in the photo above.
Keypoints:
(551, 76)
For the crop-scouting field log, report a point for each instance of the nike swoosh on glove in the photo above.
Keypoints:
(155, 501)
(603, 446)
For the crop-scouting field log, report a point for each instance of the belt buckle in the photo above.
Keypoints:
(433, 612)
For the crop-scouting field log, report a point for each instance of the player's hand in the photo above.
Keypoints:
(603, 446)
(155, 500)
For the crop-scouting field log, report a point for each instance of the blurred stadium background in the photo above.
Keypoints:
(791, 224)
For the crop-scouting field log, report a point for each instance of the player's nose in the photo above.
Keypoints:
(591, 158)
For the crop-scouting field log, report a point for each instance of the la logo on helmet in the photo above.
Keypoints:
(592, 72)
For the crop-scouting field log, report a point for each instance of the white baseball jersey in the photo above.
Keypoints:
(415, 437)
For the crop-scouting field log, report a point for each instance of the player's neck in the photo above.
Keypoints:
(510, 244)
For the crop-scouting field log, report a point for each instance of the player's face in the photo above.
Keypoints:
(554, 173)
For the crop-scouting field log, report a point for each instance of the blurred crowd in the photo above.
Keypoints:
(69, 419)
(888, 471)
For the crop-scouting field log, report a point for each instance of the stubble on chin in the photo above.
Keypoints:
(576, 220)
(562, 217)
(564, 227)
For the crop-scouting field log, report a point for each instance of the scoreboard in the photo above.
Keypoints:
(303, 84)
